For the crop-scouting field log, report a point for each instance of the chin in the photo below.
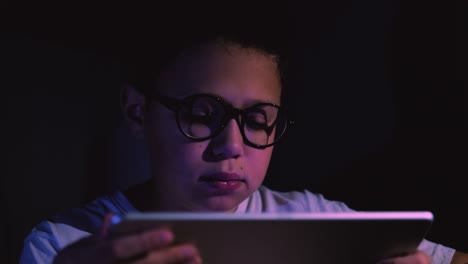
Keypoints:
(220, 204)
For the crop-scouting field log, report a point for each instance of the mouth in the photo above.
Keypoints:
(223, 181)
(221, 176)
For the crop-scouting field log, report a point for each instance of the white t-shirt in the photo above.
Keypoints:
(50, 236)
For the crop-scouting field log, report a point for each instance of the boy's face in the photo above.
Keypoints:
(219, 173)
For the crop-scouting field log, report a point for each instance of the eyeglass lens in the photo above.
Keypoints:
(204, 117)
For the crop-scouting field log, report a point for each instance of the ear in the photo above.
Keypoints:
(132, 103)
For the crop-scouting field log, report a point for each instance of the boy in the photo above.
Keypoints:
(210, 112)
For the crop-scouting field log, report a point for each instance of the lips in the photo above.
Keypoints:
(225, 182)
(222, 176)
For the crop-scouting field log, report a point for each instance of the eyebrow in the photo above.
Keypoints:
(250, 102)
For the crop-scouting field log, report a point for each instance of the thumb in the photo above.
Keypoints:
(104, 231)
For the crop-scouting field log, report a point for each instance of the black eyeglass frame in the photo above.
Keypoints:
(175, 105)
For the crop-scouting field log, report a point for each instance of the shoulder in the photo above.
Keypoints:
(438, 253)
(46, 239)
(268, 200)
(69, 226)
(89, 217)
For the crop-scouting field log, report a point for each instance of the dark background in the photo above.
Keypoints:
(379, 110)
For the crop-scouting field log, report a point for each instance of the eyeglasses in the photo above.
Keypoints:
(203, 116)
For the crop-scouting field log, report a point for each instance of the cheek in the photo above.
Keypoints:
(163, 138)
(191, 155)
(172, 151)
(258, 161)
(162, 132)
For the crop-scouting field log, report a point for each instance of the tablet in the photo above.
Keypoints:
(296, 238)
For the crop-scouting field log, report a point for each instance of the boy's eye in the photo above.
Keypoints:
(200, 115)
(257, 117)
(204, 111)
(256, 120)
(200, 112)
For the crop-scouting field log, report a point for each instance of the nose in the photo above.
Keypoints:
(229, 143)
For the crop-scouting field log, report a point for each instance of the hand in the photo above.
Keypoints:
(418, 257)
(152, 246)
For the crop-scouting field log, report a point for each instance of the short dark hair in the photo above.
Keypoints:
(257, 27)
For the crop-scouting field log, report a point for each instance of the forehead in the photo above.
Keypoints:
(241, 76)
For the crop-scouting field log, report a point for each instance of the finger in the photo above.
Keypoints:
(125, 247)
(418, 257)
(87, 250)
(105, 225)
(186, 253)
